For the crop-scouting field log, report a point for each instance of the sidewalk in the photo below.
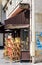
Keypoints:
(7, 62)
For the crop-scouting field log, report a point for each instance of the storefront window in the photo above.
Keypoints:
(23, 34)
(16, 42)
(24, 39)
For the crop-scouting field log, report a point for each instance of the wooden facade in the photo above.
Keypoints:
(21, 19)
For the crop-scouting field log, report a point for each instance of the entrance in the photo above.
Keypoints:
(25, 44)
(17, 44)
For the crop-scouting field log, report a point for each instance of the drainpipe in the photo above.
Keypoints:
(32, 29)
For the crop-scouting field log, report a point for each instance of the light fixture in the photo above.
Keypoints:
(7, 30)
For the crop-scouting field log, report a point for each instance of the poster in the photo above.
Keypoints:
(39, 40)
(39, 44)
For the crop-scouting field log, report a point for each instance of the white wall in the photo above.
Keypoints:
(38, 6)
(4, 2)
(3, 16)
(38, 15)
(13, 5)
(38, 21)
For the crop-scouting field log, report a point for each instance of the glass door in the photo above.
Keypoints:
(25, 44)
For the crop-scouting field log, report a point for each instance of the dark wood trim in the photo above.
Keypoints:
(25, 61)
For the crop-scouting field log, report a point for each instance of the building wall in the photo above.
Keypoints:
(38, 21)
(12, 6)
(4, 2)
(2, 18)
(38, 15)
(2, 14)
(1, 39)
(38, 6)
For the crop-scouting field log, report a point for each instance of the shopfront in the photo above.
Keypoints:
(17, 36)
(23, 29)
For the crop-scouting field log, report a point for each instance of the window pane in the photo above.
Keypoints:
(24, 39)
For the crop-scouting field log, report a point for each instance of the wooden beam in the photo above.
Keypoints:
(10, 26)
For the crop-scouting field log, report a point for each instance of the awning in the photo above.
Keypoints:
(20, 18)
